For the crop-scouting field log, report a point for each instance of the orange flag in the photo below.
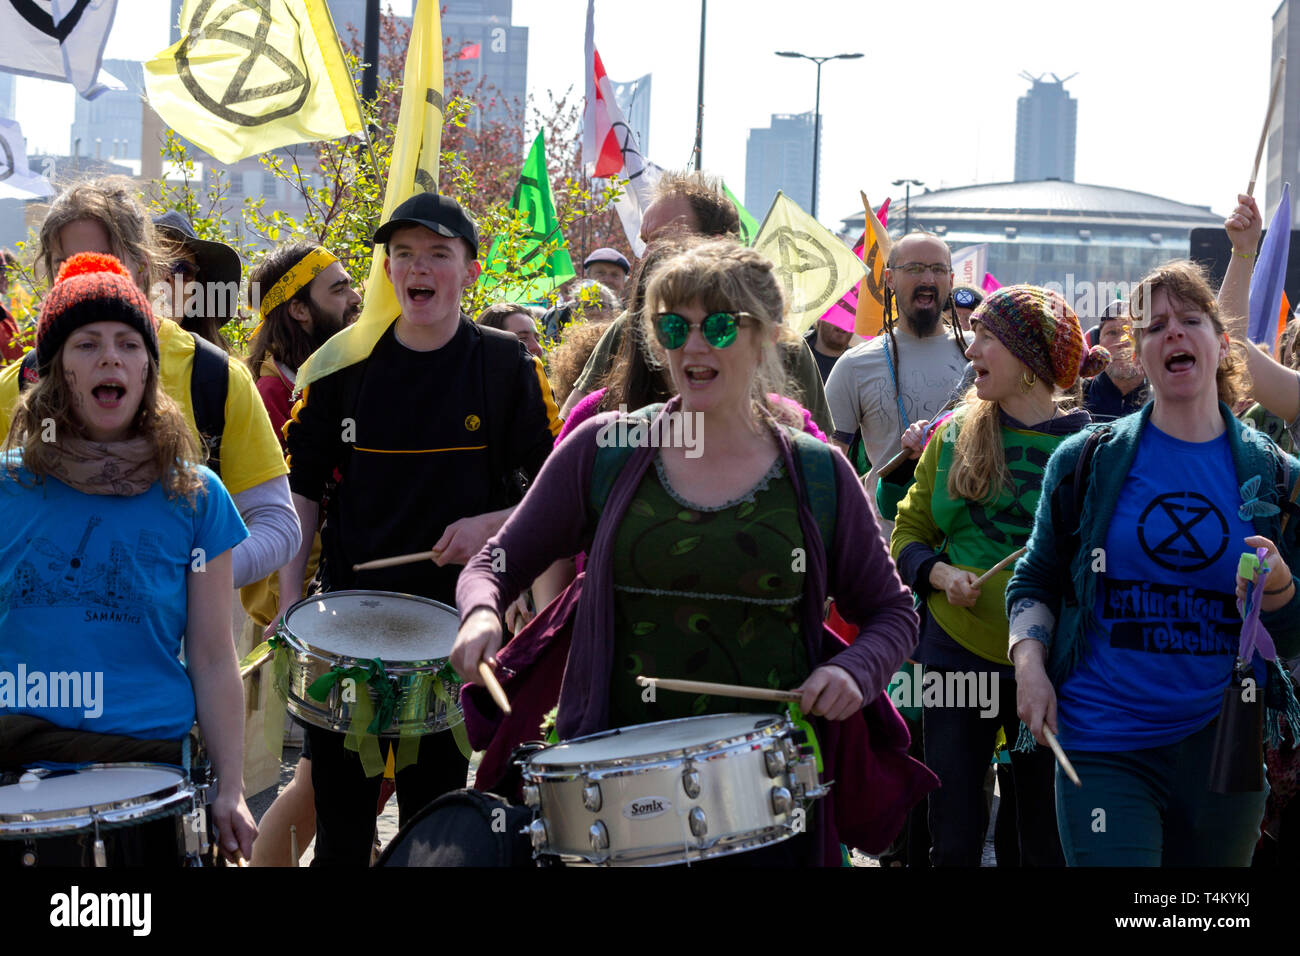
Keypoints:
(870, 317)
(1281, 326)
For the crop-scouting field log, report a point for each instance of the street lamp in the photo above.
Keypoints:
(817, 109)
(907, 201)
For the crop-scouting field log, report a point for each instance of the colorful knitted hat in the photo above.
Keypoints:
(1038, 327)
(91, 287)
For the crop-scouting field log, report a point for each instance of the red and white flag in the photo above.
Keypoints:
(609, 147)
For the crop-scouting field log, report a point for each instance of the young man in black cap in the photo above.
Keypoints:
(609, 267)
(429, 434)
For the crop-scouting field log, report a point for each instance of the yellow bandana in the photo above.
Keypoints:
(304, 271)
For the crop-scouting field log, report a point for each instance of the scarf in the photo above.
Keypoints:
(125, 468)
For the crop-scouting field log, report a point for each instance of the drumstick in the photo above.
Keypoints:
(1061, 757)
(293, 845)
(239, 860)
(893, 463)
(255, 663)
(1268, 116)
(493, 687)
(724, 690)
(1000, 565)
(396, 560)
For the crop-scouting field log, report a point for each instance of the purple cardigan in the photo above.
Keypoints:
(553, 521)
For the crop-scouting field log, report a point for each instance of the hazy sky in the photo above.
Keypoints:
(1171, 94)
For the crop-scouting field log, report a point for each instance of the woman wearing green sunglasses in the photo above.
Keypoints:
(707, 558)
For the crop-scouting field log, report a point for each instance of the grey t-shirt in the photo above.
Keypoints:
(861, 393)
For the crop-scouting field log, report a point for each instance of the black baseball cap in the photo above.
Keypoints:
(436, 212)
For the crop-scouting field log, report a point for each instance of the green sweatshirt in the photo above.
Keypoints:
(975, 535)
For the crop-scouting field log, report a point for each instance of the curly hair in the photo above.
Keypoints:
(113, 202)
(1187, 282)
(158, 418)
(721, 275)
(570, 357)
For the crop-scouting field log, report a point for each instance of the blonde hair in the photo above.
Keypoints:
(979, 466)
(1188, 282)
(723, 276)
(111, 201)
(158, 418)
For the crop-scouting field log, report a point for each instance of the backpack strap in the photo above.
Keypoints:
(1067, 508)
(209, 385)
(817, 463)
(610, 460)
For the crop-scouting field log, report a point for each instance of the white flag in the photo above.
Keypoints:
(969, 265)
(16, 180)
(57, 40)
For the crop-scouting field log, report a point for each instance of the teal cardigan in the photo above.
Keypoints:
(1036, 577)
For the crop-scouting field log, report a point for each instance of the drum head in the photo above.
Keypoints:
(645, 740)
(90, 787)
(366, 624)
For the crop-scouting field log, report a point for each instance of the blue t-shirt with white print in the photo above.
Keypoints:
(93, 601)
(1155, 672)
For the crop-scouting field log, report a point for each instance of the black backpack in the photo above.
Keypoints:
(209, 383)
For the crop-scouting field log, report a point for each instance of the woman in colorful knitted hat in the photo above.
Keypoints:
(115, 547)
(1125, 621)
(977, 485)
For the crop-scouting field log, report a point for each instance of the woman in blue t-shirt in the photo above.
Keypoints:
(114, 545)
(1126, 653)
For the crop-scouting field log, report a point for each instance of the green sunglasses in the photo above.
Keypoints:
(719, 329)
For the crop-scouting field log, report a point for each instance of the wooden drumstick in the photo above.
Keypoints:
(247, 666)
(1000, 565)
(1061, 757)
(889, 466)
(239, 860)
(396, 560)
(722, 690)
(1268, 116)
(493, 687)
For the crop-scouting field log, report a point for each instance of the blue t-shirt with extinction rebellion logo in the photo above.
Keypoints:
(1155, 672)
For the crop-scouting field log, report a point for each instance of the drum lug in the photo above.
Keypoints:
(532, 796)
(101, 855)
(29, 855)
(782, 802)
(196, 833)
(691, 783)
(698, 821)
(774, 762)
(537, 835)
(791, 749)
(599, 837)
(591, 798)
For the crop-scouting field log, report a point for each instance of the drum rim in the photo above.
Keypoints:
(72, 819)
(534, 768)
(394, 666)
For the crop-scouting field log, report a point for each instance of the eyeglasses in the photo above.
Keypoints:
(939, 269)
(183, 267)
(719, 329)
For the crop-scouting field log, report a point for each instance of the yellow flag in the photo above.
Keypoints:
(414, 169)
(252, 75)
(813, 266)
(870, 317)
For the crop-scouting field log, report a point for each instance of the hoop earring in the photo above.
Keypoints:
(1027, 382)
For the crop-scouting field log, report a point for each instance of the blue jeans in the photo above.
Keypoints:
(1154, 808)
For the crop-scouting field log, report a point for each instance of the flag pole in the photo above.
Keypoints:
(699, 116)
(372, 72)
(1268, 118)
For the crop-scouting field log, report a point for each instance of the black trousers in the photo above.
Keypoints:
(958, 748)
(346, 799)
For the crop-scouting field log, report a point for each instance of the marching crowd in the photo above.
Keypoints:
(832, 512)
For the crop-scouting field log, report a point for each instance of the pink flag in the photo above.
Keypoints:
(470, 52)
(842, 313)
(991, 284)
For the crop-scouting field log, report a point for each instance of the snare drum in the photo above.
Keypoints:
(670, 792)
(126, 814)
(343, 630)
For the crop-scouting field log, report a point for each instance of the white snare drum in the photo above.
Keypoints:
(411, 636)
(670, 792)
(126, 814)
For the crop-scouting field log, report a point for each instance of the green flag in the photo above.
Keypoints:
(518, 262)
(748, 224)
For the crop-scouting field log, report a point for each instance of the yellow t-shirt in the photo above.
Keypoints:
(250, 452)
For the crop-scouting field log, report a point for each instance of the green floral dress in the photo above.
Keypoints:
(707, 593)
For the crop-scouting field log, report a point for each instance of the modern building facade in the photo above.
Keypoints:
(109, 126)
(780, 158)
(1067, 233)
(1046, 121)
(1283, 149)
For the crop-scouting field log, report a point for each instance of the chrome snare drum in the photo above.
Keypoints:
(124, 814)
(391, 647)
(670, 792)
